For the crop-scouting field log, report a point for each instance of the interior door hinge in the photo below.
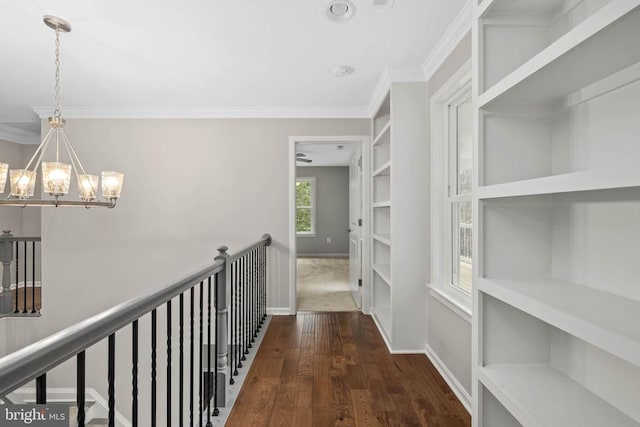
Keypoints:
(359, 162)
(359, 283)
(360, 222)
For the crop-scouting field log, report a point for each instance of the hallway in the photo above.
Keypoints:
(325, 369)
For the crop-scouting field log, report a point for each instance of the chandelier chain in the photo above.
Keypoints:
(57, 113)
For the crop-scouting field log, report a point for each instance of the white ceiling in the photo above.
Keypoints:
(136, 58)
(326, 154)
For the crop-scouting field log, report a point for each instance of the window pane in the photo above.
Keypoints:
(461, 245)
(303, 193)
(464, 121)
(303, 220)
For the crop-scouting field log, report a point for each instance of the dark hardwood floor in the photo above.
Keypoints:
(326, 369)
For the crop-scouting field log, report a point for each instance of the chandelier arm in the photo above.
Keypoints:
(74, 158)
(73, 153)
(39, 149)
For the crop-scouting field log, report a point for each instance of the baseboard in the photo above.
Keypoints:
(278, 311)
(463, 396)
(386, 339)
(29, 285)
(325, 255)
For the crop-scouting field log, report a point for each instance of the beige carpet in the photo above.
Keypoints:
(323, 285)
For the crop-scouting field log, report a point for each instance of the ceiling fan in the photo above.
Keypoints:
(300, 157)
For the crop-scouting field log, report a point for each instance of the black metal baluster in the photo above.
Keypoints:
(33, 278)
(169, 363)
(251, 297)
(191, 355)
(232, 367)
(80, 387)
(238, 305)
(24, 305)
(216, 411)
(134, 374)
(208, 394)
(181, 376)
(201, 349)
(17, 310)
(254, 256)
(41, 389)
(248, 322)
(153, 366)
(262, 285)
(111, 378)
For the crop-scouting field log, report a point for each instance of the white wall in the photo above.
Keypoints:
(332, 211)
(448, 330)
(190, 186)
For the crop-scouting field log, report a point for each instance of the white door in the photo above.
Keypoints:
(355, 226)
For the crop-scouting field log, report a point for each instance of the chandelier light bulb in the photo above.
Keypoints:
(88, 187)
(23, 183)
(111, 184)
(56, 178)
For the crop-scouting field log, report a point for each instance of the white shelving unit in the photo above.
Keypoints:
(556, 328)
(398, 271)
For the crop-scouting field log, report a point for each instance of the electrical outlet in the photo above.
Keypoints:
(328, 239)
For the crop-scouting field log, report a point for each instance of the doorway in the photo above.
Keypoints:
(328, 224)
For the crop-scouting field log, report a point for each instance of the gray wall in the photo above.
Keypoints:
(448, 334)
(190, 186)
(332, 211)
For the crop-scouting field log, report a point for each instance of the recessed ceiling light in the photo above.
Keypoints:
(340, 10)
(342, 71)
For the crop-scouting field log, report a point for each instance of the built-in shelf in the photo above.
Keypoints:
(384, 204)
(605, 320)
(380, 138)
(568, 64)
(383, 238)
(384, 271)
(383, 170)
(600, 179)
(539, 395)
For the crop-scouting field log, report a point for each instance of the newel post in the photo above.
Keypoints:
(222, 325)
(6, 257)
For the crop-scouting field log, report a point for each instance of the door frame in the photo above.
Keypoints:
(366, 212)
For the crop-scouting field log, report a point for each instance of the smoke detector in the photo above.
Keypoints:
(342, 71)
(340, 10)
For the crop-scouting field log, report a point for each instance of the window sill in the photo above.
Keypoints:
(305, 234)
(456, 301)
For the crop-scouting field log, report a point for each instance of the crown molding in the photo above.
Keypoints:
(460, 26)
(209, 113)
(388, 76)
(18, 136)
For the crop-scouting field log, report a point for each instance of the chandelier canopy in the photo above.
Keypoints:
(56, 175)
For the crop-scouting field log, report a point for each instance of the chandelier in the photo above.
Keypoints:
(56, 176)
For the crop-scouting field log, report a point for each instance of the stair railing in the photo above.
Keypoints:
(23, 253)
(234, 288)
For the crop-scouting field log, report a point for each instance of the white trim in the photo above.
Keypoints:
(325, 255)
(38, 284)
(207, 113)
(364, 140)
(459, 304)
(463, 396)
(459, 28)
(388, 76)
(18, 136)
(278, 311)
(378, 323)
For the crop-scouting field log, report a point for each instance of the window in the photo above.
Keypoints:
(458, 202)
(306, 206)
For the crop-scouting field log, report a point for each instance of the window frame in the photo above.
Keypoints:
(312, 208)
(452, 200)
